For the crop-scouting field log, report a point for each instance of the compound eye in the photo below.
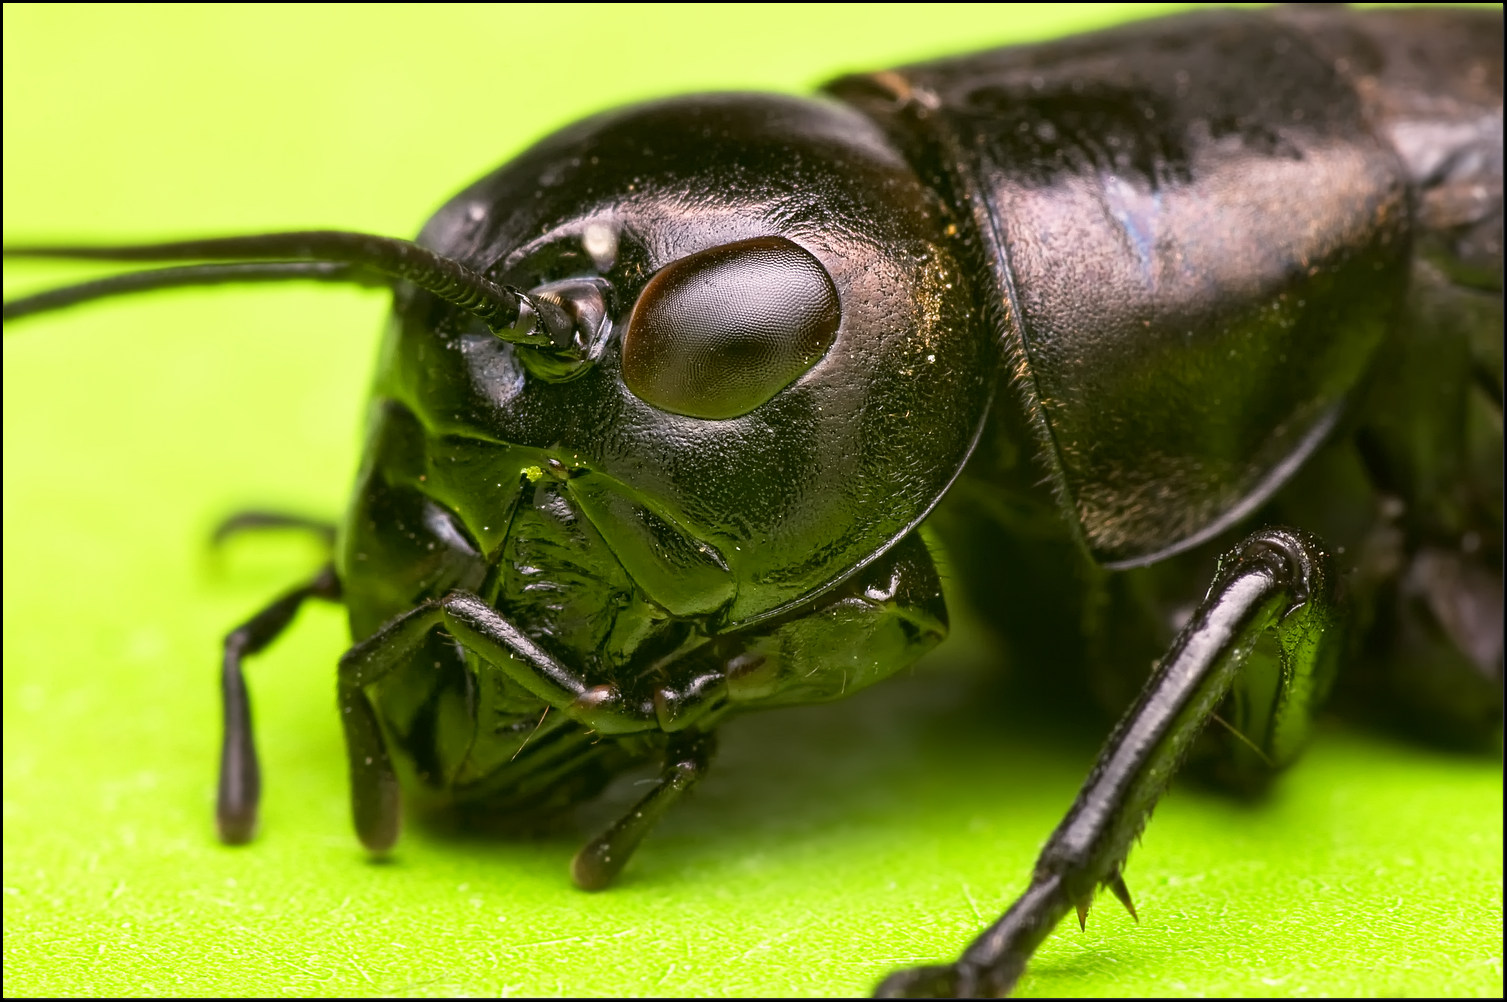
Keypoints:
(716, 334)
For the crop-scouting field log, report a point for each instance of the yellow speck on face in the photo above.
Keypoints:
(534, 474)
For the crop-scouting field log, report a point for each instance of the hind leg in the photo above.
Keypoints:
(1277, 580)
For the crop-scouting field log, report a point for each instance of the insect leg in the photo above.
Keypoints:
(255, 519)
(603, 858)
(481, 630)
(240, 774)
(1277, 579)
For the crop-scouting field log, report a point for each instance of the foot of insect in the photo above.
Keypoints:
(1277, 579)
(603, 858)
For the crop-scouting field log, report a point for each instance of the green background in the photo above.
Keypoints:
(829, 845)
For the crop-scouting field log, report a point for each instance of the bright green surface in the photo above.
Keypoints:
(829, 845)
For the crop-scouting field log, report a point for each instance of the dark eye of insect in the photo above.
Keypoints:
(716, 334)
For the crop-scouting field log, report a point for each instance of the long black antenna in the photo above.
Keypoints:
(322, 255)
(191, 274)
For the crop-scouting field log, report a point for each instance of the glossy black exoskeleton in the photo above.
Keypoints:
(1123, 299)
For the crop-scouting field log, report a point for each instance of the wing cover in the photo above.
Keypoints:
(1196, 242)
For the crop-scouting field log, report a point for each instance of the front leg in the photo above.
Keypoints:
(240, 786)
(1277, 579)
(480, 629)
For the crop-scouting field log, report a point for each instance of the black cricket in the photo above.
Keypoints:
(665, 402)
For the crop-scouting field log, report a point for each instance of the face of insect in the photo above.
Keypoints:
(778, 374)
